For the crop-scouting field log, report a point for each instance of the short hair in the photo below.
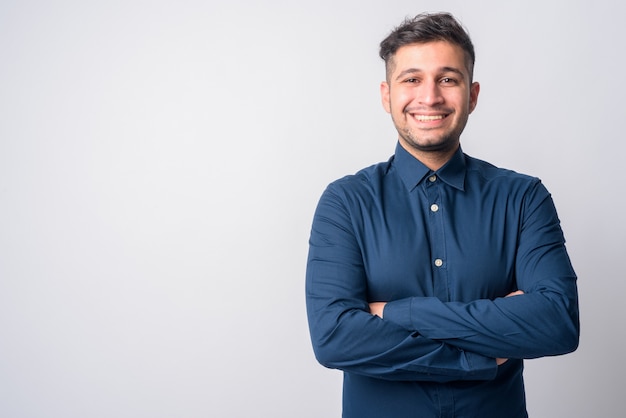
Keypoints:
(428, 27)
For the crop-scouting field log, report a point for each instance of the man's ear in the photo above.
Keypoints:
(474, 90)
(384, 96)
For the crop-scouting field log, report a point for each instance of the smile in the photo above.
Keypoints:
(425, 118)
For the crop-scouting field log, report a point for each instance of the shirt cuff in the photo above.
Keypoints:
(399, 312)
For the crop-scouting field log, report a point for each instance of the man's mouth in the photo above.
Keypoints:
(427, 118)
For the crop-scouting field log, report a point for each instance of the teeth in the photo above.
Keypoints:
(425, 118)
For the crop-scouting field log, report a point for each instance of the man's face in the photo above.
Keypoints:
(429, 96)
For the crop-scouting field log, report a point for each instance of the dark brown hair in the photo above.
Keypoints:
(428, 27)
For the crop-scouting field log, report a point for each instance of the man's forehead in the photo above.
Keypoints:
(430, 50)
(439, 56)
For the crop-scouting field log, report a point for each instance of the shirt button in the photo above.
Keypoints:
(434, 207)
(432, 178)
(439, 262)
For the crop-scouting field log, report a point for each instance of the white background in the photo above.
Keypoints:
(160, 162)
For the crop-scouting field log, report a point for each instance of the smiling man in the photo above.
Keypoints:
(431, 276)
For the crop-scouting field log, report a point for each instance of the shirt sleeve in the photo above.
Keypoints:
(343, 332)
(541, 322)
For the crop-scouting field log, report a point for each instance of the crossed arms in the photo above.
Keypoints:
(423, 338)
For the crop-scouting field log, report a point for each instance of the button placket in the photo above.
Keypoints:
(434, 193)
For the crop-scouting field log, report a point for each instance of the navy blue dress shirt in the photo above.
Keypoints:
(443, 249)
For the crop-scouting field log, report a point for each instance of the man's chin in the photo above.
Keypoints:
(437, 145)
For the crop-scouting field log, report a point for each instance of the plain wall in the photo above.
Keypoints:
(160, 163)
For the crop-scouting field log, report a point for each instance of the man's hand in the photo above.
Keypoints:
(516, 293)
(376, 308)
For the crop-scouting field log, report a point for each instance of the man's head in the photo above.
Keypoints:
(427, 27)
(429, 90)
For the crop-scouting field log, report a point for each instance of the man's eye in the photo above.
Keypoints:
(448, 80)
(411, 80)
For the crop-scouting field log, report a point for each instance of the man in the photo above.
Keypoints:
(432, 275)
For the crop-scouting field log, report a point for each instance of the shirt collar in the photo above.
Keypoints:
(412, 171)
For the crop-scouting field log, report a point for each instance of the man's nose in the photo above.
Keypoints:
(430, 93)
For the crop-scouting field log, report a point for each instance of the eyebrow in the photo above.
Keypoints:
(441, 71)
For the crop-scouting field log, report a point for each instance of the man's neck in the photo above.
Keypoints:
(434, 159)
